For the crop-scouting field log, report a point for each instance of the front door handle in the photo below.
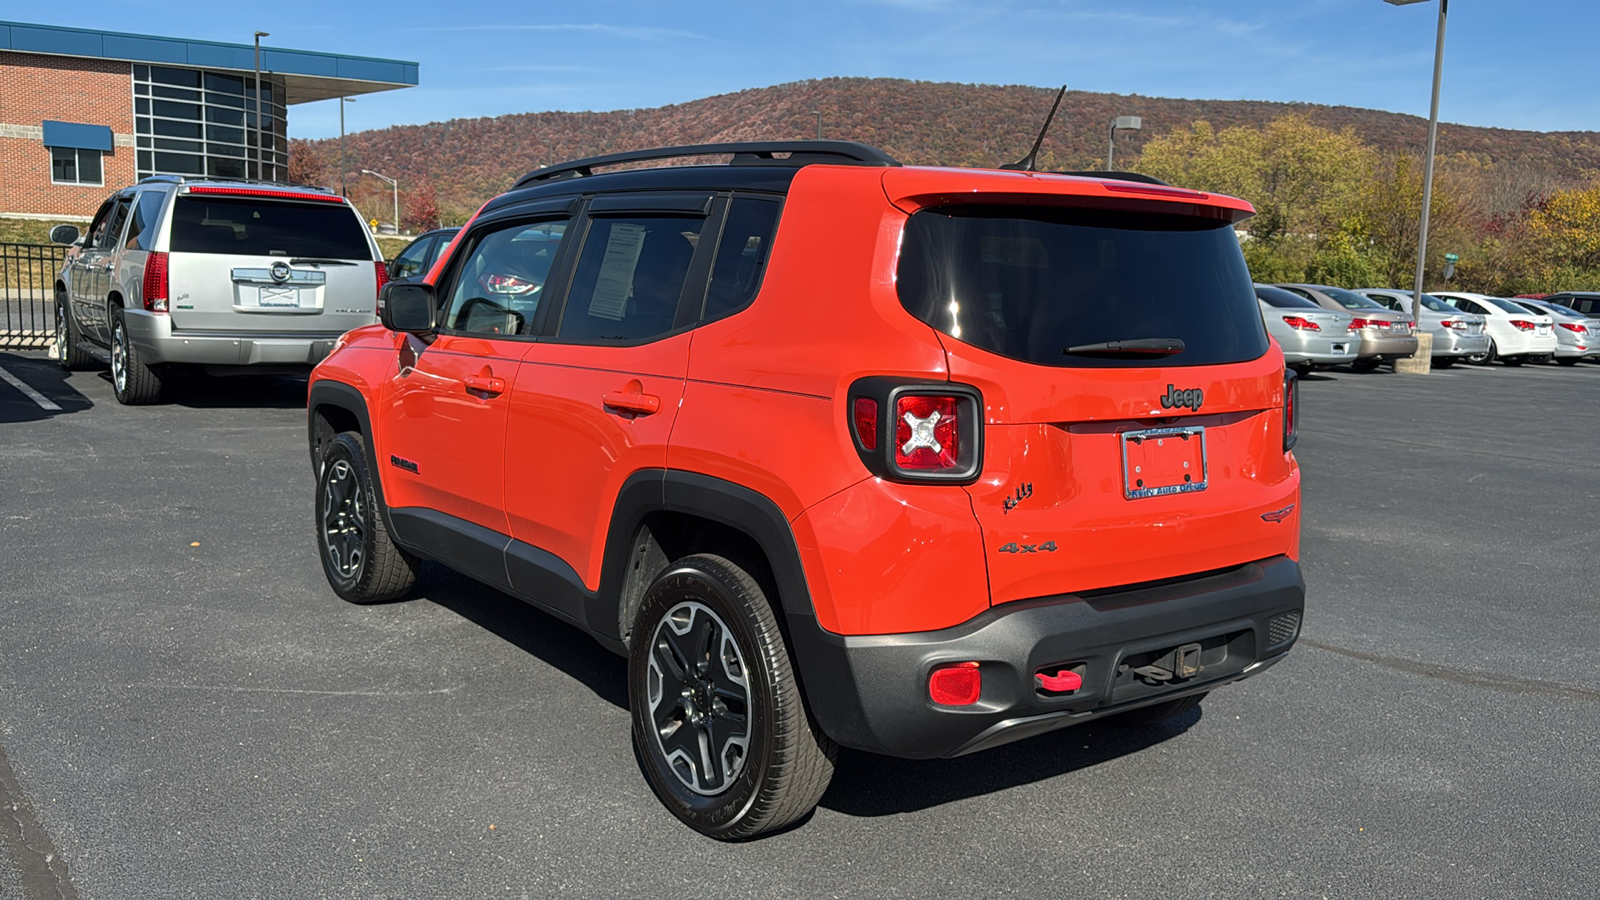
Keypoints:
(643, 404)
(485, 384)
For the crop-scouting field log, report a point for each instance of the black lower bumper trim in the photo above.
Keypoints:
(871, 692)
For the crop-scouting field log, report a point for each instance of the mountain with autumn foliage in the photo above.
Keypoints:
(458, 164)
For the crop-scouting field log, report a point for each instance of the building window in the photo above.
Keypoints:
(69, 165)
(194, 122)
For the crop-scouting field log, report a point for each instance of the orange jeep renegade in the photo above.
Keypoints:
(835, 451)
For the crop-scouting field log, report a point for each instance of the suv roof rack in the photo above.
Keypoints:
(213, 179)
(1118, 176)
(745, 153)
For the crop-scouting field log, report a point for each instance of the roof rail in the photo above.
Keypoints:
(745, 153)
(162, 179)
(1117, 176)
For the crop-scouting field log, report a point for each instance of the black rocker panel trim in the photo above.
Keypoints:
(468, 548)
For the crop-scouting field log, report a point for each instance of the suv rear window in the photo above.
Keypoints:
(251, 227)
(1029, 283)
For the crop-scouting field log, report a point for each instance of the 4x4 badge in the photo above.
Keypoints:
(1189, 399)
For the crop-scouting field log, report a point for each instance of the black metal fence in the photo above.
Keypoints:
(27, 294)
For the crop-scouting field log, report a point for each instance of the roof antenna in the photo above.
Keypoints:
(1027, 163)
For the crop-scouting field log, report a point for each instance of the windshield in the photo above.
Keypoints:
(250, 227)
(1034, 283)
(1282, 299)
(1351, 299)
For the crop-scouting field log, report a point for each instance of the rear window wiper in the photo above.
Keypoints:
(1136, 347)
(319, 261)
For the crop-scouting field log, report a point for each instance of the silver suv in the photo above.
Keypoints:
(216, 276)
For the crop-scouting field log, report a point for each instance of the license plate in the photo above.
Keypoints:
(1340, 348)
(1159, 461)
(1544, 329)
(278, 298)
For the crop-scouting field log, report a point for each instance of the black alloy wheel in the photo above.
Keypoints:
(718, 721)
(361, 561)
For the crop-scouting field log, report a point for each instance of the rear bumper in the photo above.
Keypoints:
(871, 692)
(1388, 347)
(1318, 350)
(153, 336)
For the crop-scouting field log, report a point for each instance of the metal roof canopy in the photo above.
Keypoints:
(307, 75)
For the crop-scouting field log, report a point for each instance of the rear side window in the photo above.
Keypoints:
(629, 278)
(1030, 284)
(141, 230)
(741, 255)
(252, 227)
(1282, 299)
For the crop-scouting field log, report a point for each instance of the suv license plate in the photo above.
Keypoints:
(278, 298)
(1157, 461)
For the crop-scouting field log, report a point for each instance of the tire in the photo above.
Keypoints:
(1302, 369)
(702, 624)
(1568, 360)
(67, 352)
(362, 563)
(1369, 364)
(1160, 712)
(1443, 362)
(134, 383)
(1484, 358)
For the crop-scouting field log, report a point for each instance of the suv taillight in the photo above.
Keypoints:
(382, 269)
(1291, 409)
(925, 431)
(155, 282)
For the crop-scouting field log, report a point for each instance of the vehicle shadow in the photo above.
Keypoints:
(866, 784)
(534, 631)
(43, 375)
(199, 391)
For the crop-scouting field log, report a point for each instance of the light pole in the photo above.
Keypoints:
(818, 114)
(1120, 123)
(394, 184)
(257, 143)
(342, 102)
(1420, 362)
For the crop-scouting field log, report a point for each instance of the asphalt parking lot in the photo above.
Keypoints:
(186, 710)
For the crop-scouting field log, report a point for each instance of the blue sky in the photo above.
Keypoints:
(1512, 65)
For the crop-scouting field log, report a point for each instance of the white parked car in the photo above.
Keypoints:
(1515, 334)
(1578, 334)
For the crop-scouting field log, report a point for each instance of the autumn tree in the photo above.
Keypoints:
(305, 164)
(421, 208)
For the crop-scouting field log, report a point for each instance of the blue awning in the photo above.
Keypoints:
(73, 134)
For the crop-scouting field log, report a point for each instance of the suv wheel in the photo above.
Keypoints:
(132, 381)
(361, 561)
(718, 720)
(67, 352)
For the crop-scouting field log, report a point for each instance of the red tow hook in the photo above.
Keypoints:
(1061, 682)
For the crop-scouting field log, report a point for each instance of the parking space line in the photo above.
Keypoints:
(44, 402)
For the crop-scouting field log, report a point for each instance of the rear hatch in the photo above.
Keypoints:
(1111, 456)
(269, 261)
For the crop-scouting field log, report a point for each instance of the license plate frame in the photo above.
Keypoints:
(1146, 459)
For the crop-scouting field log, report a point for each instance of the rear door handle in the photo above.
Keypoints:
(643, 404)
(485, 384)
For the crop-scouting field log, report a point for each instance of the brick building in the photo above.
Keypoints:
(83, 112)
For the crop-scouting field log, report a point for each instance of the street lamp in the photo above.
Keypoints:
(257, 147)
(394, 184)
(1120, 123)
(342, 102)
(1424, 340)
(818, 114)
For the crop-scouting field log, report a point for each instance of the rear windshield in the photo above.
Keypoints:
(1031, 283)
(1429, 301)
(251, 227)
(1510, 307)
(1351, 299)
(1556, 310)
(1282, 299)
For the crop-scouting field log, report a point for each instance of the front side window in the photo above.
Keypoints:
(501, 284)
(69, 165)
(1076, 287)
(630, 277)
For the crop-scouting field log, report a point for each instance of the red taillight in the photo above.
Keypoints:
(866, 421)
(263, 192)
(1302, 324)
(956, 685)
(1573, 327)
(1357, 324)
(1522, 324)
(1291, 410)
(382, 268)
(926, 433)
(155, 282)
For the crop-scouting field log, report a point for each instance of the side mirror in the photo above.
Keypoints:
(407, 306)
(64, 234)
